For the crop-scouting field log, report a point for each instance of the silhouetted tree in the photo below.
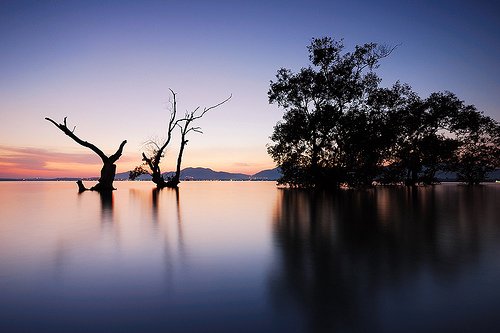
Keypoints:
(185, 128)
(479, 146)
(389, 104)
(424, 142)
(340, 127)
(442, 133)
(108, 171)
(153, 158)
(327, 122)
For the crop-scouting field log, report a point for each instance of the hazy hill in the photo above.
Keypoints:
(209, 174)
(452, 176)
(270, 174)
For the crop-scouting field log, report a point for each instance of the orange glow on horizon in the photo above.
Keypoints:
(21, 162)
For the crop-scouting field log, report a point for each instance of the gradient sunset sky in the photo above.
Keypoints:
(107, 66)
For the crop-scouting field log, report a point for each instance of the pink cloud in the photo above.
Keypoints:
(40, 162)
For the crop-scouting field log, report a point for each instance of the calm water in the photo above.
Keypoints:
(248, 257)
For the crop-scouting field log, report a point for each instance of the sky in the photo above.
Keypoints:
(108, 67)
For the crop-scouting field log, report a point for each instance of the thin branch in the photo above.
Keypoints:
(148, 161)
(383, 52)
(386, 51)
(194, 129)
(213, 107)
(174, 110)
(171, 125)
(192, 113)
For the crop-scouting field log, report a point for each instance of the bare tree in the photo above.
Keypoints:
(108, 171)
(185, 128)
(156, 150)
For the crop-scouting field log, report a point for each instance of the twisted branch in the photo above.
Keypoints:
(64, 128)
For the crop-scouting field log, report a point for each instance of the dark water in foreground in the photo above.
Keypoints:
(248, 257)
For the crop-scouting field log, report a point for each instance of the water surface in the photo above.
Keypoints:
(248, 257)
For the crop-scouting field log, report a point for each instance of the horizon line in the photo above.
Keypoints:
(90, 178)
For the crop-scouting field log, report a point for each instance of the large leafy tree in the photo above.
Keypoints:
(340, 127)
(328, 126)
(443, 133)
(479, 146)
(424, 141)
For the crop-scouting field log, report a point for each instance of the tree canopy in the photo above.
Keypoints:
(341, 128)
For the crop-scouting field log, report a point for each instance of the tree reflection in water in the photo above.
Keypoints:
(350, 260)
(106, 207)
(155, 196)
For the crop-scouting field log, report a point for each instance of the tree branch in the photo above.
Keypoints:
(171, 125)
(113, 158)
(148, 161)
(68, 132)
(213, 107)
(194, 129)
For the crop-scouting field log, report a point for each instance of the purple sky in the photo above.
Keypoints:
(108, 68)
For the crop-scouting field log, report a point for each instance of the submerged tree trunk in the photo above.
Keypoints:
(81, 187)
(105, 183)
(153, 161)
(185, 129)
(157, 151)
(153, 164)
(108, 171)
(174, 182)
(159, 180)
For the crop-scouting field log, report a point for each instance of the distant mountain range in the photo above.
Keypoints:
(186, 174)
(452, 176)
(209, 174)
(270, 174)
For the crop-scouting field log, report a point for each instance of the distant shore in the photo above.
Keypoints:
(125, 180)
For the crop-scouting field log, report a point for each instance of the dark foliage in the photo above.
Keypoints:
(341, 128)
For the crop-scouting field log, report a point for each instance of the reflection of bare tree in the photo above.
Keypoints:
(180, 234)
(156, 203)
(69, 242)
(106, 207)
(339, 252)
(106, 200)
(155, 193)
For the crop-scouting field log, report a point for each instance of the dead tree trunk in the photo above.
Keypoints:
(154, 166)
(108, 171)
(153, 161)
(174, 182)
(185, 129)
(156, 151)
